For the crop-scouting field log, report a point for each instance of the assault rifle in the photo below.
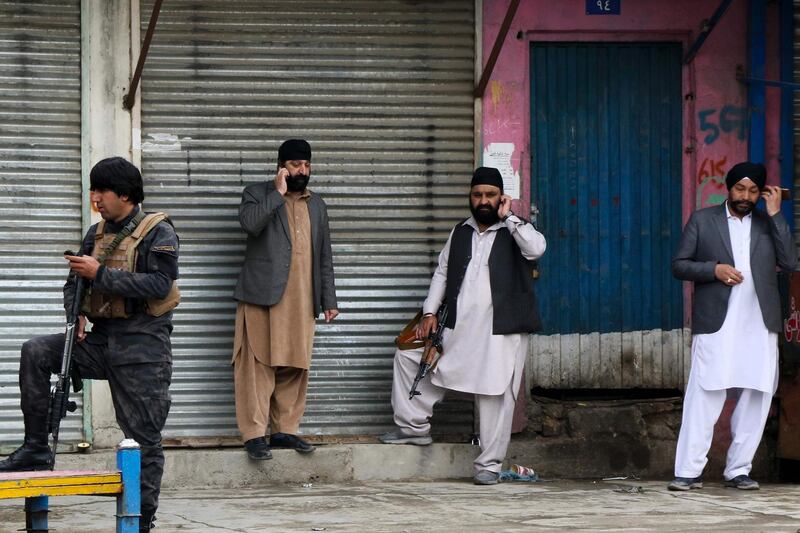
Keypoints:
(432, 351)
(59, 396)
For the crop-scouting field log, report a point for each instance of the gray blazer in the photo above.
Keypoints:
(265, 271)
(706, 242)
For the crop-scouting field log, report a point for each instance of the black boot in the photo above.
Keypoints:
(34, 454)
(147, 521)
(29, 456)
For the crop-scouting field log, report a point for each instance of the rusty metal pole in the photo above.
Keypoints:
(130, 99)
(498, 45)
(708, 26)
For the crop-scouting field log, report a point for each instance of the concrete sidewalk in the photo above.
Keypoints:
(344, 463)
(451, 506)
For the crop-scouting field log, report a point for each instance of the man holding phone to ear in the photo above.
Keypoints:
(731, 252)
(286, 281)
(485, 278)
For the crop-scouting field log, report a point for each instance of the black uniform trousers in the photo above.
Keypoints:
(140, 393)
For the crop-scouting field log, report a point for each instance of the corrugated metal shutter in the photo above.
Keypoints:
(40, 183)
(382, 90)
(606, 143)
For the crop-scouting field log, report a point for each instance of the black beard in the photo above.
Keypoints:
(743, 207)
(485, 214)
(297, 183)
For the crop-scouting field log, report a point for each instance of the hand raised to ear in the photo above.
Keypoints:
(505, 206)
(280, 180)
(772, 197)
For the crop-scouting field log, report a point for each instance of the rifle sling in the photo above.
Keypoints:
(129, 228)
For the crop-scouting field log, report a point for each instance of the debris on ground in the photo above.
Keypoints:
(633, 477)
(631, 489)
(519, 473)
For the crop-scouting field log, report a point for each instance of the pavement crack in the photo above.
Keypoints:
(84, 502)
(206, 524)
(726, 506)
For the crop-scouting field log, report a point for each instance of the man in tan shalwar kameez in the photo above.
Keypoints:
(286, 279)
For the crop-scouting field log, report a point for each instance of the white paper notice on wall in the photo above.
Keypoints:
(498, 155)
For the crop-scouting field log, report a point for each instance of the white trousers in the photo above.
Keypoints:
(413, 416)
(701, 409)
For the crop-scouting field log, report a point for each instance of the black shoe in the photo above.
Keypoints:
(27, 457)
(742, 482)
(686, 483)
(284, 440)
(257, 449)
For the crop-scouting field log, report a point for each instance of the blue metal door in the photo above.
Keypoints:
(606, 179)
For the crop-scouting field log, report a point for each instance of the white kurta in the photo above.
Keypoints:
(476, 361)
(743, 353)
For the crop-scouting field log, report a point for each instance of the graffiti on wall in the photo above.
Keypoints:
(501, 126)
(717, 123)
(502, 119)
(730, 119)
(711, 189)
(791, 325)
(499, 96)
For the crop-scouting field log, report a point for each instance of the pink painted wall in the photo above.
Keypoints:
(773, 94)
(710, 77)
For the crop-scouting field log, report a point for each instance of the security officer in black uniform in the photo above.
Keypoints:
(132, 292)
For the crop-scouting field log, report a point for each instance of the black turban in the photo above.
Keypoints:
(487, 176)
(755, 171)
(294, 150)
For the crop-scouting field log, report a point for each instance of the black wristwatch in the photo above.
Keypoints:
(509, 214)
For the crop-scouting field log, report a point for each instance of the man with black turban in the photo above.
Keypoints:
(286, 281)
(485, 279)
(730, 252)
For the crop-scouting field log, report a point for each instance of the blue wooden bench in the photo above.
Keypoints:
(38, 487)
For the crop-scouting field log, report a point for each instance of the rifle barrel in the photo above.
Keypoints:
(59, 397)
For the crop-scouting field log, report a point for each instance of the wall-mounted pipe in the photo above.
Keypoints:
(129, 99)
(708, 27)
(786, 135)
(498, 45)
(756, 94)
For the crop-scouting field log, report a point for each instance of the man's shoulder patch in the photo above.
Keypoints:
(164, 248)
